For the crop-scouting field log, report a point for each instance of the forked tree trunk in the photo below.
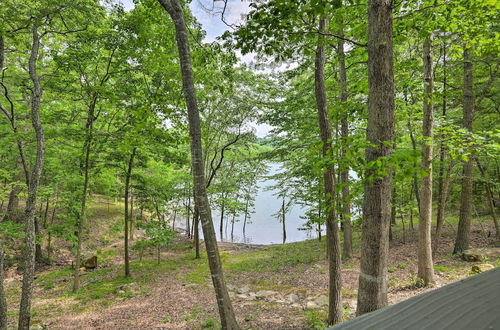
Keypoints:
(372, 293)
(126, 222)
(344, 175)
(228, 320)
(462, 239)
(332, 229)
(425, 267)
(29, 214)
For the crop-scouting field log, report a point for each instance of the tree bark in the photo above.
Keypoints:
(131, 217)
(228, 320)
(127, 190)
(283, 220)
(29, 214)
(442, 184)
(222, 216)
(332, 229)
(3, 300)
(462, 239)
(344, 175)
(196, 234)
(425, 266)
(372, 293)
(489, 195)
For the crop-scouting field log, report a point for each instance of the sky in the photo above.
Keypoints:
(208, 14)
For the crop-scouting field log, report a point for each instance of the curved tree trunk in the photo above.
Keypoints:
(29, 214)
(332, 229)
(425, 270)
(462, 239)
(372, 293)
(228, 320)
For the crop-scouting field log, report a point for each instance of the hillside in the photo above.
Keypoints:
(273, 287)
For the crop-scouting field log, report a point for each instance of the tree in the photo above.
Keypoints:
(372, 292)
(228, 320)
(425, 266)
(462, 239)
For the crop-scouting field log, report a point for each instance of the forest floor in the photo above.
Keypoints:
(272, 287)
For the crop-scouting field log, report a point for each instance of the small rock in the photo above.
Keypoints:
(293, 298)
(230, 287)
(296, 306)
(90, 263)
(241, 296)
(311, 305)
(252, 296)
(481, 268)
(265, 293)
(244, 289)
(232, 294)
(322, 300)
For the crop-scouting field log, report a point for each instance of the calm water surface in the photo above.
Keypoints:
(263, 227)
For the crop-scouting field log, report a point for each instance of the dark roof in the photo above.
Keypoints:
(469, 304)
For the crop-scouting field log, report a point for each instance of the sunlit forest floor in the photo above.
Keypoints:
(272, 287)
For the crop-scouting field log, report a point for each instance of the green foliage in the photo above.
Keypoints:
(316, 319)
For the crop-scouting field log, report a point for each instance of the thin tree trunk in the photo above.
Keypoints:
(489, 195)
(127, 190)
(222, 216)
(131, 217)
(246, 216)
(425, 266)
(173, 221)
(344, 175)
(462, 239)
(442, 190)
(196, 220)
(228, 320)
(332, 229)
(232, 228)
(415, 175)
(372, 293)
(3, 300)
(188, 230)
(283, 220)
(29, 216)
(38, 246)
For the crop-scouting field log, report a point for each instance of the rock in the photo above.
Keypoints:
(322, 300)
(230, 287)
(481, 268)
(293, 298)
(245, 289)
(296, 306)
(90, 263)
(252, 296)
(481, 254)
(265, 293)
(311, 305)
(242, 296)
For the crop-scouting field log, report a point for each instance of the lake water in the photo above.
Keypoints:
(263, 227)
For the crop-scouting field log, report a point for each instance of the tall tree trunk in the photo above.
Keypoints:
(442, 190)
(283, 220)
(3, 300)
(196, 234)
(222, 216)
(29, 215)
(462, 239)
(245, 216)
(344, 175)
(38, 246)
(127, 190)
(332, 229)
(228, 319)
(372, 293)
(232, 228)
(173, 221)
(489, 195)
(425, 269)
(415, 173)
(131, 217)
(188, 230)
